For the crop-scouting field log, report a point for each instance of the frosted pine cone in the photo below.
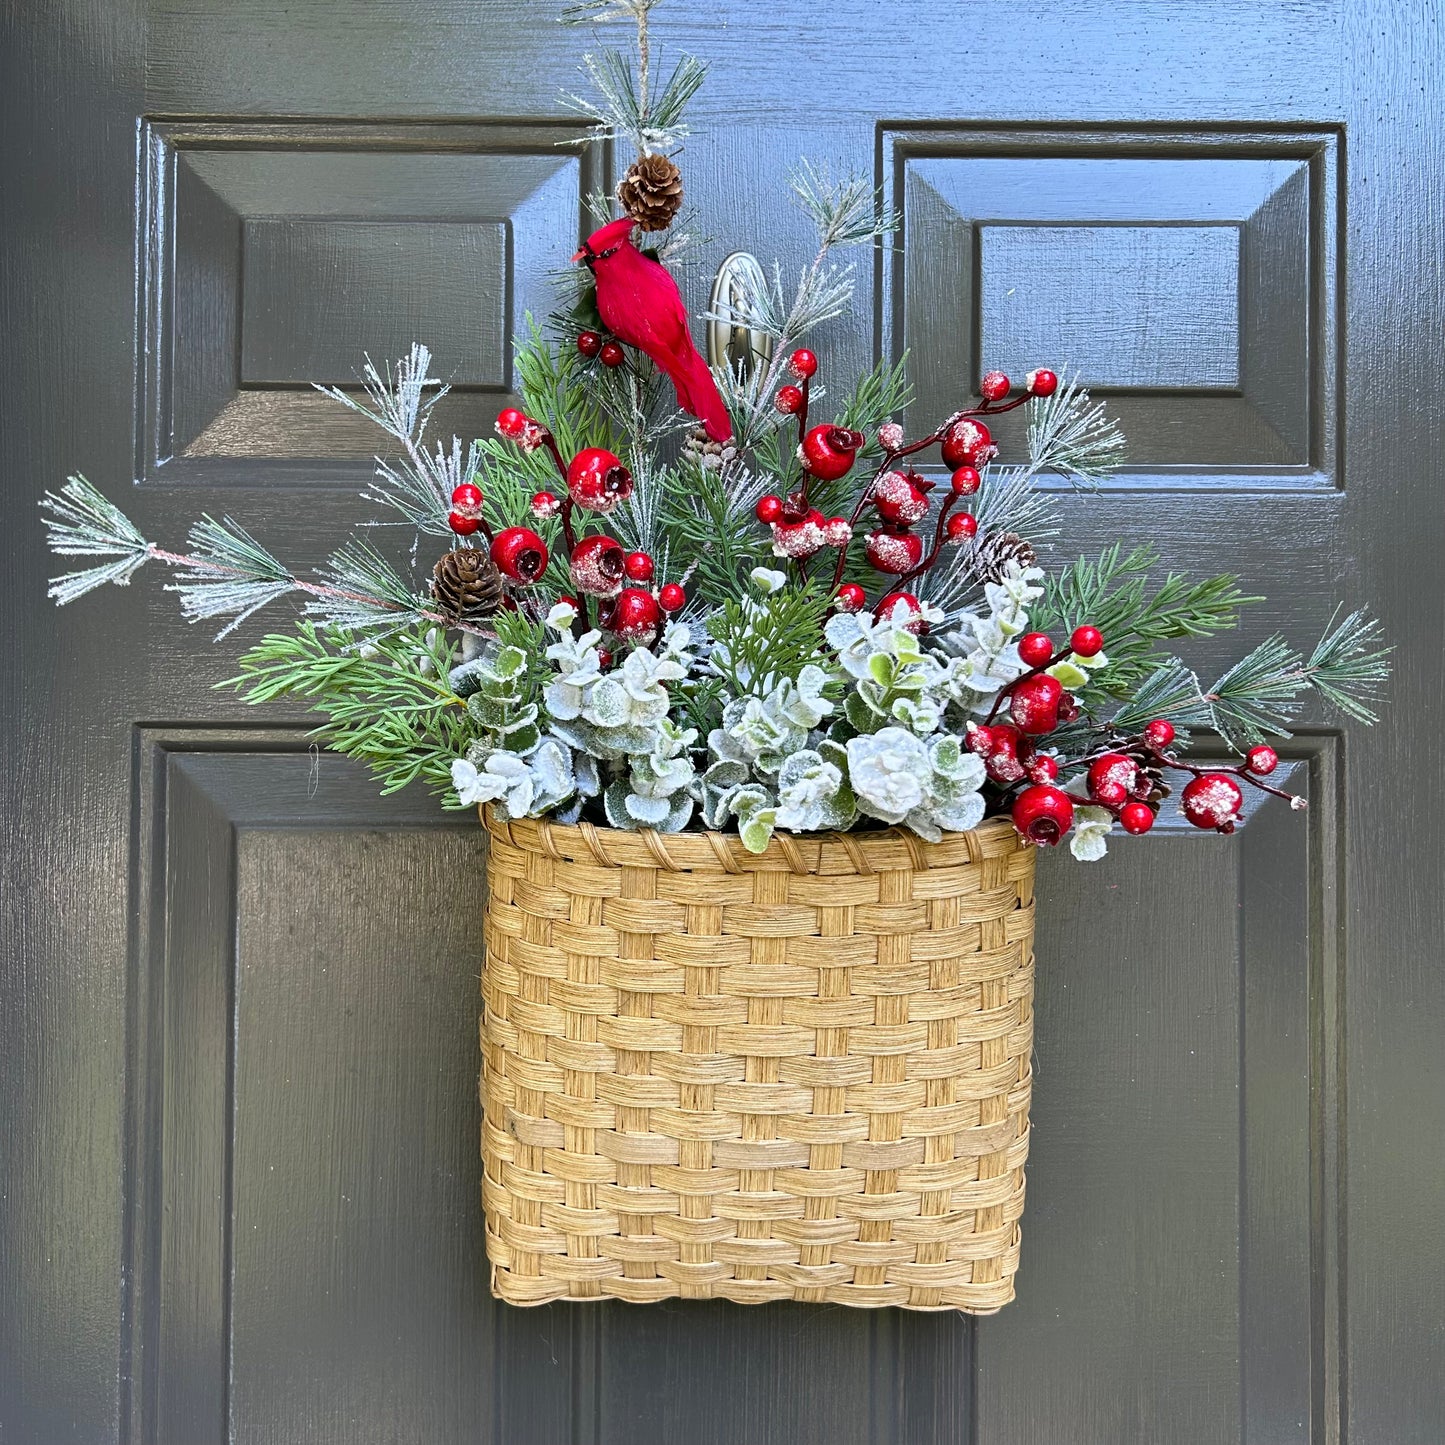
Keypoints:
(466, 584)
(998, 550)
(708, 454)
(651, 192)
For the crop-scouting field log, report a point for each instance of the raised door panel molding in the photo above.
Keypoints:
(1188, 277)
(276, 254)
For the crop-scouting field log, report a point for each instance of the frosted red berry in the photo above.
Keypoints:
(596, 566)
(769, 509)
(1213, 800)
(965, 481)
(463, 526)
(1034, 703)
(1042, 768)
(638, 566)
(962, 526)
(511, 423)
(978, 739)
(589, 343)
(1261, 760)
(519, 554)
(597, 479)
(546, 504)
(468, 494)
(1159, 733)
(1136, 818)
(1042, 382)
(789, 400)
(1087, 641)
(851, 598)
(1111, 779)
(1008, 754)
(828, 451)
(902, 608)
(968, 443)
(893, 550)
(671, 597)
(1043, 814)
(994, 386)
(1035, 649)
(633, 614)
(901, 497)
(604, 658)
(802, 363)
(611, 354)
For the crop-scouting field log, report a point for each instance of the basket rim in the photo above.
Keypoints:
(874, 850)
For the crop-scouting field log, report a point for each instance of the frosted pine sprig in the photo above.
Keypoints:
(1074, 435)
(81, 522)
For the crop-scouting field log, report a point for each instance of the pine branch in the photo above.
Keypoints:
(365, 593)
(81, 522)
(399, 400)
(1071, 434)
(422, 494)
(227, 574)
(1171, 691)
(846, 212)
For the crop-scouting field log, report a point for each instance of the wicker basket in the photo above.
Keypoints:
(801, 1074)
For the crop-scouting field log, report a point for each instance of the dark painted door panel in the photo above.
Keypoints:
(238, 1045)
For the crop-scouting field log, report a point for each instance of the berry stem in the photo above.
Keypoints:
(938, 531)
(569, 541)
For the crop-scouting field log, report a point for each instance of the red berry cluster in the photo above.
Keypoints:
(897, 493)
(605, 349)
(596, 481)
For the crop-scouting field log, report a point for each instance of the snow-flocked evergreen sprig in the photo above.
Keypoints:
(1075, 436)
(80, 521)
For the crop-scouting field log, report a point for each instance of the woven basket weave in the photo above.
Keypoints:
(801, 1074)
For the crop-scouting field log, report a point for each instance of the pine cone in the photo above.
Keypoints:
(651, 192)
(466, 584)
(708, 454)
(999, 549)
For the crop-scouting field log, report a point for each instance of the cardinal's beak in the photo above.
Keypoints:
(580, 254)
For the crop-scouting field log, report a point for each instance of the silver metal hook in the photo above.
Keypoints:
(732, 345)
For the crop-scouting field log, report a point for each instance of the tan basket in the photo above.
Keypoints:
(801, 1074)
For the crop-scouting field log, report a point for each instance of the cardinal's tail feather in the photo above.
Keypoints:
(698, 393)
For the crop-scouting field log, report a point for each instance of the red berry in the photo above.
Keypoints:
(1213, 800)
(828, 451)
(511, 422)
(519, 554)
(851, 598)
(769, 509)
(1087, 641)
(596, 567)
(1034, 703)
(978, 739)
(837, 532)
(1159, 733)
(1041, 382)
(604, 658)
(611, 354)
(597, 479)
(968, 443)
(966, 481)
(901, 497)
(1009, 752)
(802, 363)
(545, 504)
(633, 614)
(638, 566)
(893, 550)
(1043, 814)
(467, 495)
(789, 400)
(589, 343)
(462, 526)
(1262, 760)
(1035, 649)
(1042, 769)
(902, 608)
(961, 526)
(1111, 779)
(671, 597)
(571, 602)
(994, 386)
(1136, 818)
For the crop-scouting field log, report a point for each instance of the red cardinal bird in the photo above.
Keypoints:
(639, 303)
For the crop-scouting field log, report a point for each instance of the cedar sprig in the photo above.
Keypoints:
(710, 522)
(760, 641)
(386, 700)
(1112, 592)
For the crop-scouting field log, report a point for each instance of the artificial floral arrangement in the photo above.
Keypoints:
(669, 603)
